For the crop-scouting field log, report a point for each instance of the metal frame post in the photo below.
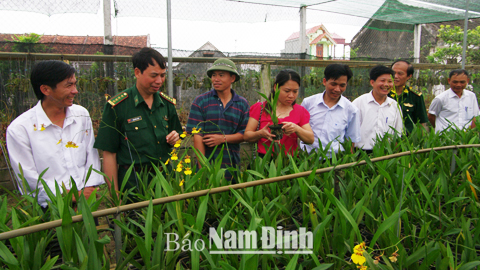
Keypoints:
(170, 67)
(465, 33)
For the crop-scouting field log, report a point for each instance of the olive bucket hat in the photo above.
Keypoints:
(226, 65)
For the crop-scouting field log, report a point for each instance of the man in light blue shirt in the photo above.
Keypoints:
(333, 117)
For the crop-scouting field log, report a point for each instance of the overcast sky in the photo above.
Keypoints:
(264, 37)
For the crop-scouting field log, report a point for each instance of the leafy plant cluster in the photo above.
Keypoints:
(28, 43)
(412, 212)
(451, 52)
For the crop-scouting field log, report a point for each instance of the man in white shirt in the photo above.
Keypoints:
(379, 114)
(455, 107)
(55, 136)
(333, 117)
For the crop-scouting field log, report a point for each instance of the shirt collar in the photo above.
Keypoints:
(370, 98)
(235, 97)
(452, 94)
(341, 102)
(139, 99)
(42, 118)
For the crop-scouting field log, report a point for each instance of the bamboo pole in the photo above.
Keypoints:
(129, 207)
(259, 61)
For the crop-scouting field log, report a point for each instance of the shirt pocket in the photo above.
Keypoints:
(338, 130)
(468, 113)
(389, 120)
(165, 125)
(409, 110)
(335, 125)
(80, 154)
(136, 133)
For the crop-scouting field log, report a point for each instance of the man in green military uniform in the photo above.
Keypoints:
(411, 102)
(139, 125)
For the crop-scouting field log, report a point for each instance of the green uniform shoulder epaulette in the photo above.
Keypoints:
(169, 99)
(114, 101)
(415, 91)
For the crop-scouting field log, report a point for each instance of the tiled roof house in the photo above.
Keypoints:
(123, 45)
(319, 40)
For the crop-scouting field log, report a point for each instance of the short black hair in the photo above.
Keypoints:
(410, 68)
(335, 71)
(145, 57)
(282, 78)
(379, 70)
(458, 72)
(50, 73)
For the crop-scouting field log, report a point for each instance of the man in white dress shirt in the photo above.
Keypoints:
(455, 107)
(55, 135)
(379, 114)
(333, 117)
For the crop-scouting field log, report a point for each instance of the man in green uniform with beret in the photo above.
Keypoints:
(411, 102)
(139, 125)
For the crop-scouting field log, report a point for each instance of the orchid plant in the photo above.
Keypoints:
(271, 107)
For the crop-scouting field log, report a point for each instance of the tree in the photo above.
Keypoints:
(28, 43)
(453, 40)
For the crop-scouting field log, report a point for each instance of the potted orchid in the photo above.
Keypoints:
(271, 109)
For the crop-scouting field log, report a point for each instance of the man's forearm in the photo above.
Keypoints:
(234, 138)
(198, 144)
(110, 168)
(425, 126)
(432, 118)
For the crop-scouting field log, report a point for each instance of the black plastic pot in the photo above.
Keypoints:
(277, 131)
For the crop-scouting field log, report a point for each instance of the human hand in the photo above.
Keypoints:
(211, 140)
(265, 133)
(87, 191)
(289, 128)
(172, 137)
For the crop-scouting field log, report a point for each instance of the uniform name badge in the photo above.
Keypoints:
(134, 119)
(408, 105)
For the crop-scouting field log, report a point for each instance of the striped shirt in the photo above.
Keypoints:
(208, 113)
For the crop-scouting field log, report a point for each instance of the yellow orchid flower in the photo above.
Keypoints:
(71, 144)
(358, 259)
(195, 130)
(177, 144)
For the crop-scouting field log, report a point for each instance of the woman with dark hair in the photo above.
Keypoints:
(295, 118)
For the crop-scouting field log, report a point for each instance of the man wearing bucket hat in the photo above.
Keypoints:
(221, 115)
